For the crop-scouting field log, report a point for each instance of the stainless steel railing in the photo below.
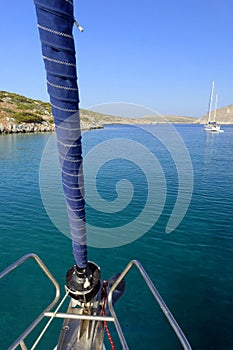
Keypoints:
(113, 318)
(20, 340)
(179, 333)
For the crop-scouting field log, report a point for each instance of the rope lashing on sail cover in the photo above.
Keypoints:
(55, 23)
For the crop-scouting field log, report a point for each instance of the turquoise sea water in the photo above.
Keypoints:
(191, 267)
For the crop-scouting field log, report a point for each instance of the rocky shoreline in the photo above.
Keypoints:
(12, 128)
(22, 128)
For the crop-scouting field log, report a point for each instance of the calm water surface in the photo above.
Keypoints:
(191, 267)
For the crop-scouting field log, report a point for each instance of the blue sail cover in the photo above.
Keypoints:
(55, 23)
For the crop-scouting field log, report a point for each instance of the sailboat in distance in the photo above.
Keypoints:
(212, 125)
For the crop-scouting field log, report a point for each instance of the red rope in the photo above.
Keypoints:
(103, 314)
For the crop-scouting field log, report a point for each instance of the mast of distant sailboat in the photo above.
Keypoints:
(215, 110)
(210, 103)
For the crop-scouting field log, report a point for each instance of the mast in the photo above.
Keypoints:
(210, 103)
(215, 110)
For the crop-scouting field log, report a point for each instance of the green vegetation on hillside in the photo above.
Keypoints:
(23, 109)
(26, 117)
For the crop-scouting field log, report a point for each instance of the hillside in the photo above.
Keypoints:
(21, 114)
(224, 115)
(171, 119)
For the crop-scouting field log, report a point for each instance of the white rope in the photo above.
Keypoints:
(64, 109)
(54, 31)
(70, 160)
(71, 129)
(59, 62)
(62, 87)
(71, 188)
(48, 323)
(68, 145)
(71, 174)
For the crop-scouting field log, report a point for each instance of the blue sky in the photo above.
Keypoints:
(159, 54)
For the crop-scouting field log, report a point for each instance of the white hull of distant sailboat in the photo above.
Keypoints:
(213, 127)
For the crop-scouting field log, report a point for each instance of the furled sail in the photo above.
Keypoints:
(55, 23)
